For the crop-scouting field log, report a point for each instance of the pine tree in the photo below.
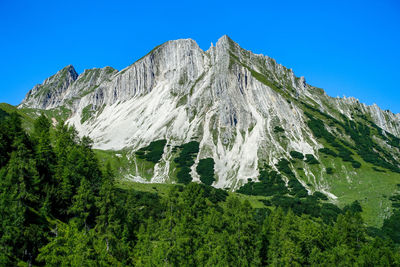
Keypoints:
(10, 129)
(108, 224)
(349, 230)
(45, 162)
(21, 230)
(242, 241)
(69, 247)
(284, 249)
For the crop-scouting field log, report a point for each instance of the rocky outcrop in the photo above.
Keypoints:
(52, 91)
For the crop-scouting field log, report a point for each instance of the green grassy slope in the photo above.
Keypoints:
(27, 120)
(370, 185)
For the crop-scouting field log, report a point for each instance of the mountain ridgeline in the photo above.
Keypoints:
(232, 119)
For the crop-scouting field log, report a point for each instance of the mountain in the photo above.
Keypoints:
(243, 112)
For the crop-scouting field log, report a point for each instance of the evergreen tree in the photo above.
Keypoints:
(349, 230)
(108, 223)
(242, 241)
(10, 129)
(284, 249)
(69, 247)
(65, 176)
(391, 226)
(21, 229)
(45, 163)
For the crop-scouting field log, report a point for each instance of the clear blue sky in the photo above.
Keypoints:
(348, 48)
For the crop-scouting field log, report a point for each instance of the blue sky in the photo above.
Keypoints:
(345, 47)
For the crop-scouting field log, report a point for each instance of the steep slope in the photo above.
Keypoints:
(247, 113)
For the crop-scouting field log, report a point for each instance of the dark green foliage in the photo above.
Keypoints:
(76, 170)
(344, 153)
(3, 114)
(283, 167)
(266, 202)
(279, 129)
(193, 232)
(355, 164)
(329, 212)
(10, 131)
(260, 214)
(362, 136)
(184, 176)
(296, 155)
(391, 226)
(377, 169)
(215, 195)
(43, 181)
(391, 139)
(328, 151)
(205, 169)
(329, 170)
(153, 152)
(309, 205)
(395, 198)
(22, 227)
(271, 183)
(187, 153)
(185, 160)
(319, 195)
(319, 130)
(367, 148)
(310, 159)
(354, 207)
(296, 188)
(287, 203)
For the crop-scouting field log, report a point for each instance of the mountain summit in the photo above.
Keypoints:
(246, 112)
(51, 90)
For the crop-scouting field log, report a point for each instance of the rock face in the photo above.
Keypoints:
(233, 102)
(65, 87)
(51, 92)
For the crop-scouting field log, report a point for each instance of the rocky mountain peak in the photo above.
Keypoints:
(68, 74)
(224, 40)
(50, 92)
